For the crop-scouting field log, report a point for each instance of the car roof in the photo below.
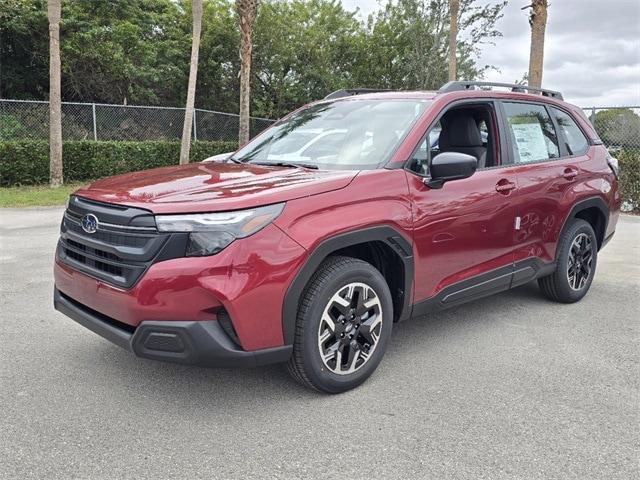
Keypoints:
(389, 94)
(449, 87)
(430, 95)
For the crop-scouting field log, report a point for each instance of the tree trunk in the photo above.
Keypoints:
(247, 10)
(454, 7)
(55, 106)
(196, 8)
(538, 22)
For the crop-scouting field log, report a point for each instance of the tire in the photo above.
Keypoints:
(561, 285)
(353, 296)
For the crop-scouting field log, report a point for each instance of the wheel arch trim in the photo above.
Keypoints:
(578, 207)
(387, 234)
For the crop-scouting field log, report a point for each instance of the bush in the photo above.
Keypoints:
(11, 127)
(629, 160)
(27, 162)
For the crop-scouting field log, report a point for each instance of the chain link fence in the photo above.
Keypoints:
(618, 127)
(27, 119)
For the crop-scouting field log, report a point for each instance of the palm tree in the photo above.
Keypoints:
(454, 7)
(247, 10)
(538, 23)
(55, 108)
(196, 10)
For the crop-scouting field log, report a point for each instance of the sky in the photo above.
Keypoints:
(592, 48)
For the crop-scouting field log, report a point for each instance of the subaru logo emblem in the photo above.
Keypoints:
(90, 223)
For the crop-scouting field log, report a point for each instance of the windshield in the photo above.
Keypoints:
(347, 134)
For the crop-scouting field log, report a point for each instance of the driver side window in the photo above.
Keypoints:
(468, 129)
(428, 149)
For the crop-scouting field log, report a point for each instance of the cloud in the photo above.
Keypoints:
(592, 48)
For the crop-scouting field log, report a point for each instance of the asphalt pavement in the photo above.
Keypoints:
(511, 386)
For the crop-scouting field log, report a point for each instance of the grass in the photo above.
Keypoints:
(36, 195)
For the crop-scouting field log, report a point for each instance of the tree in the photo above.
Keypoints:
(302, 62)
(247, 10)
(24, 50)
(218, 84)
(138, 51)
(55, 106)
(196, 7)
(454, 7)
(538, 23)
(406, 44)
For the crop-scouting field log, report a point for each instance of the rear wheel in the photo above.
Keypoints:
(343, 326)
(576, 264)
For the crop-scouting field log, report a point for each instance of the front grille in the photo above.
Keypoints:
(106, 255)
(124, 245)
(105, 235)
(108, 268)
(75, 255)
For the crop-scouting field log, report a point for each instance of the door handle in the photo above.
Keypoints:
(504, 186)
(570, 173)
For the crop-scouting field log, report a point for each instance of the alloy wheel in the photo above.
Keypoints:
(580, 261)
(350, 327)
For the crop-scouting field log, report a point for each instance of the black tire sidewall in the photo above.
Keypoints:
(315, 369)
(564, 291)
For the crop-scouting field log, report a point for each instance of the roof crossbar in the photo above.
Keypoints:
(455, 86)
(348, 92)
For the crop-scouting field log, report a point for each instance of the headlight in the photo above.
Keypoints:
(209, 233)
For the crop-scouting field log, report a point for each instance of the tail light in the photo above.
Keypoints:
(613, 164)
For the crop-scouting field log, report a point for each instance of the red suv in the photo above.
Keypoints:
(345, 217)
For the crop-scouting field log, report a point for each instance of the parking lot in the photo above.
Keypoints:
(512, 386)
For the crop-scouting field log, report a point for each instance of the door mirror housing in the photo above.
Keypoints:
(447, 166)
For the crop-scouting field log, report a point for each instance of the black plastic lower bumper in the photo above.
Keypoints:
(202, 343)
(606, 240)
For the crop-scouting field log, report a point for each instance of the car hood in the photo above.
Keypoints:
(210, 187)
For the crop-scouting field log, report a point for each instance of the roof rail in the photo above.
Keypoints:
(455, 86)
(348, 92)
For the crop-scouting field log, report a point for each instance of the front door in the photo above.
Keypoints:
(464, 231)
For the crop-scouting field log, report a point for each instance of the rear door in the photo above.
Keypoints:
(547, 172)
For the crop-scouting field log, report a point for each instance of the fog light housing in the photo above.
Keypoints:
(207, 243)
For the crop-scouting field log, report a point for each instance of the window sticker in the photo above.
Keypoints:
(530, 140)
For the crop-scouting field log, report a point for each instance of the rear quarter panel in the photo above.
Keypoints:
(546, 200)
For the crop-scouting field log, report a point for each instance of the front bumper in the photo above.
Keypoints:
(203, 343)
(247, 280)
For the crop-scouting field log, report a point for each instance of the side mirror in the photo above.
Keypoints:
(448, 166)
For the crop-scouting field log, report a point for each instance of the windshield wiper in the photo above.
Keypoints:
(286, 164)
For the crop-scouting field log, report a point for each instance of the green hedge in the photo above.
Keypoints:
(27, 162)
(629, 160)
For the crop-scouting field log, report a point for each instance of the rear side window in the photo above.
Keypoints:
(532, 133)
(574, 140)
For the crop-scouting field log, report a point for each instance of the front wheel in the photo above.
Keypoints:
(576, 264)
(344, 324)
